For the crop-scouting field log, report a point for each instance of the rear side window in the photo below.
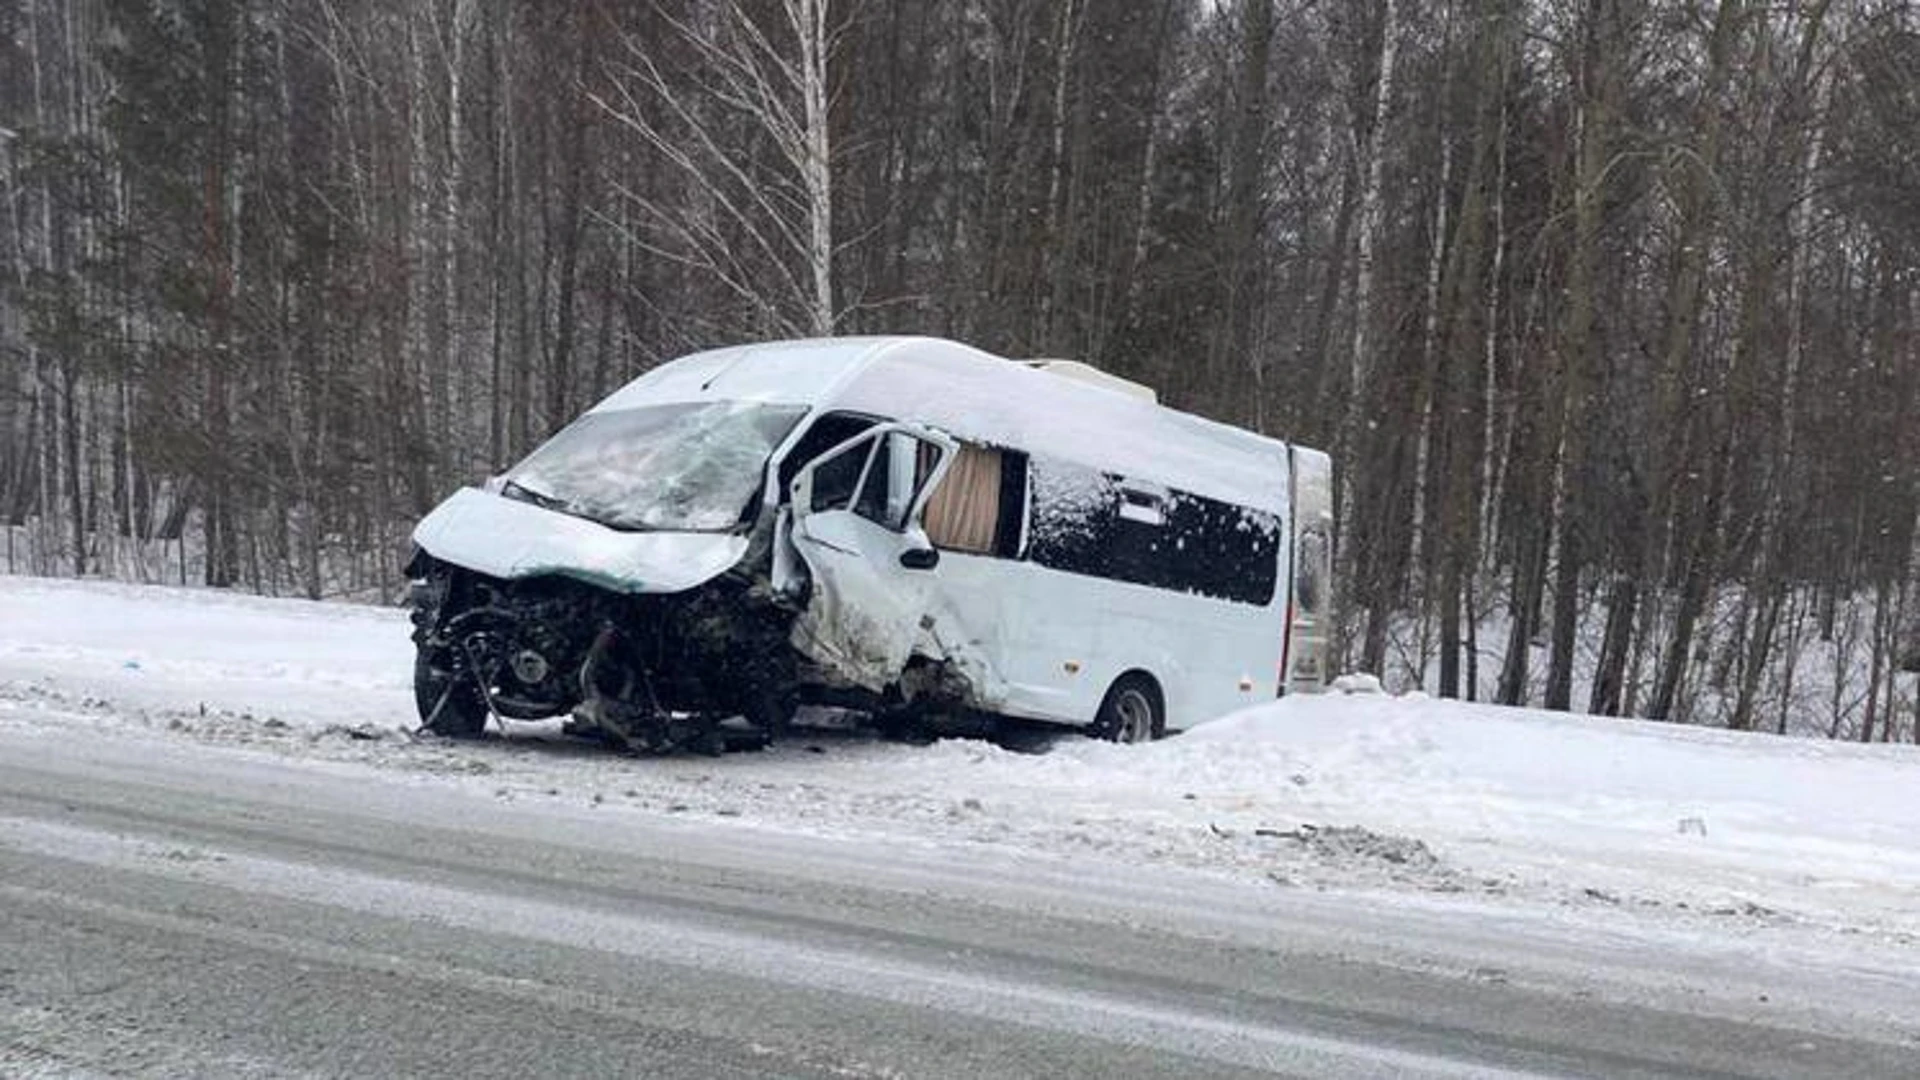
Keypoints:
(1074, 513)
(1096, 524)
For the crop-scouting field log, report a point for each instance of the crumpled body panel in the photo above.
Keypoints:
(511, 540)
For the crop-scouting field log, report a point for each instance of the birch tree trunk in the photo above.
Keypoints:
(1066, 47)
(1359, 354)
(452, 196)
(813, 38)
(1430, 328)
(775, 243)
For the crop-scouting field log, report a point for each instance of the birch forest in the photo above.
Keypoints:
(1609, 310)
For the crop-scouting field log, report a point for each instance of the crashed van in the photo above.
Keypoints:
(904, 526)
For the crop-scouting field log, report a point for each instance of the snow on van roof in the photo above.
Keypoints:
(975, 395)
(787, 372)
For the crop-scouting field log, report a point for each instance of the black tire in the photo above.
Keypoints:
(449, 702)
(1132, 711)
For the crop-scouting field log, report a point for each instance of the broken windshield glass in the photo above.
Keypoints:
(690, 467)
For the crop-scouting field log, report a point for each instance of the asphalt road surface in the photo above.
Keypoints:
(173, 909)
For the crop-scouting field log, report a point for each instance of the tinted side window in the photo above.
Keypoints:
(1013, 505)
(1224, 551)
(1087, 522)
(1074, 510)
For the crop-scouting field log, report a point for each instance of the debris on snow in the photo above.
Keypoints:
(1353, 842)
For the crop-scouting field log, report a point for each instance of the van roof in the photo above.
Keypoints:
(976, 395)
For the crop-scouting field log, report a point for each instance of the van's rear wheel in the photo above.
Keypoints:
(449, 701)
(1132, 712)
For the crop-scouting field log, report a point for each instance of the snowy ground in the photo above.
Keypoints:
(1769, 845)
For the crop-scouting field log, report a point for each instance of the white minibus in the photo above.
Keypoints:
(905, 526)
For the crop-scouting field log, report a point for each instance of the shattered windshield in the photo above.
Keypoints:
(690, 467)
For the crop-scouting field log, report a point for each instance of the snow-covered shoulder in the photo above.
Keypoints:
(1747, 840)
(1633, 810)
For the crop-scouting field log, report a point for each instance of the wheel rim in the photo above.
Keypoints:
(1133, 716)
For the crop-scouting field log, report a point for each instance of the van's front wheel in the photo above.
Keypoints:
(1132, 712)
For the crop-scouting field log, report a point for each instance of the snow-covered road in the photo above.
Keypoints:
(1778, 851)
(177, 909)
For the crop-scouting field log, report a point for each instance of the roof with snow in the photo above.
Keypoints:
(982, 397)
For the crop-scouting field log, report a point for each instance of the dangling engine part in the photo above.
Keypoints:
(618, 703)
(650, 674)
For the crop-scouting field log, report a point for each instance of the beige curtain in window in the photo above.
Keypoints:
(964, 512)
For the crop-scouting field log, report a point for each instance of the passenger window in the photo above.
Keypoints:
(965, 511)
(900, 471)
(872, 503)
(821, 436)
(834, 480)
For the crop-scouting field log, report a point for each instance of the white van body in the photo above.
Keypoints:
(939, 525)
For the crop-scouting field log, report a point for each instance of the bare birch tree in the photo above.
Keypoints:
(704, 96)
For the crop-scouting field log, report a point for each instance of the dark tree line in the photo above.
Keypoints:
(1609, 309)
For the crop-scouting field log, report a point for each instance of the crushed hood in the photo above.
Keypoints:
(505, 538)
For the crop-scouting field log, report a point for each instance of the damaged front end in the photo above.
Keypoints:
(649, 672)
(617, 576)
(653, 573)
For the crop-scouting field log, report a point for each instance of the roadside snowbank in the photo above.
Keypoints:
(1742, 833)
(201, 650)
